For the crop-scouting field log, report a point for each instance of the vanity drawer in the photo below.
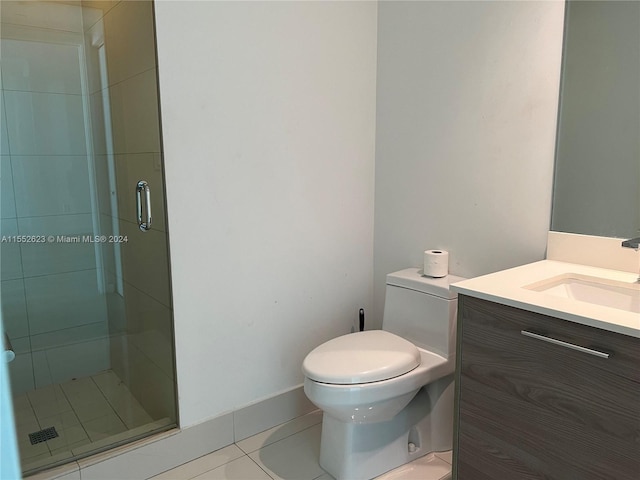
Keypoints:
(500, 326)
(527, 408)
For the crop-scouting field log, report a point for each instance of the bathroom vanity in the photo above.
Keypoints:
(547, 387)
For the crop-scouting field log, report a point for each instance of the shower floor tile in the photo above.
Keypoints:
(26, 420)
(62, 421)
(125, 405)
(105, 426)
(88, 408)
(71, 435)
(21, 402)
(48, 401)
(85, 412)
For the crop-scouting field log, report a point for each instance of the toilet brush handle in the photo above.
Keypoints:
(361, 317)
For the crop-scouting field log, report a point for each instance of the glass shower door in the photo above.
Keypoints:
(85, 291)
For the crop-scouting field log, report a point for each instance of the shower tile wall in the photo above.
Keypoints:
(53, 310)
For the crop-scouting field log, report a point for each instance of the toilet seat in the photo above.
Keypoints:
(361, 357)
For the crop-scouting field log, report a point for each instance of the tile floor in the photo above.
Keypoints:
(290, 451)
(87, 413)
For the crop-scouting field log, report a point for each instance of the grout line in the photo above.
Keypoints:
(142, 291)
(40, 275)
(260, 467)
(283, 438)
(44, 92)
(107, 398)
(47, 374)
(197, 458)
(76, 415)
(280, 425)
(442, 458)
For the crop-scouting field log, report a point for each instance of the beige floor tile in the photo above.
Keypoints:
(48, 401)
(23, 431)
(70, 449)
(43, 461)
(275, 434)
(133, 416)
(295, 456)
(446, 456)
(93, 409)
(21, 402)
(52, 409)
(67, 437)
(289, 451)
(30, 463)
(45, 395)
(107, 382)
(82, 415)
(61, 421)
(82, 390)
(26, 420)
(122, 401)
(78, 386)
(428, 467)
(28, 451)
(23, 440)
(203, 464)
(104, 427)
(241, 469)
(41, 395)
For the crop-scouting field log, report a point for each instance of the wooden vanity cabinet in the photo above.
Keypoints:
(529, 409)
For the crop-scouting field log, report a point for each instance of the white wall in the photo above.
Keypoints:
(268, 114)
(466, 110)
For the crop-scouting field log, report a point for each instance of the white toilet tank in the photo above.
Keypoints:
(422, 310)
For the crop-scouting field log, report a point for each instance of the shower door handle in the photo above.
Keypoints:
(143, 186)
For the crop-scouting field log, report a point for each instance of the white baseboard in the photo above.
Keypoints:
(269, 412)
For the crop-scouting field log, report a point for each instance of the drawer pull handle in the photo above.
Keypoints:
(564, 344)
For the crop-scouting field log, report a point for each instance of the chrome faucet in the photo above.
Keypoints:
(632, 243)
(635, 244)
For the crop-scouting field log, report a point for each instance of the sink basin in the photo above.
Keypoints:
(598, 291)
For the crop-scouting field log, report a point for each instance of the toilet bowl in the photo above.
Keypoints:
(374, 401)
(387, 395)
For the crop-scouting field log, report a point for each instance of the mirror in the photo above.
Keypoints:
(597, 166)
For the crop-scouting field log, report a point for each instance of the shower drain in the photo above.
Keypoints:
(43, 435)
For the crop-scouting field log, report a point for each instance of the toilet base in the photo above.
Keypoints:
(351, 451)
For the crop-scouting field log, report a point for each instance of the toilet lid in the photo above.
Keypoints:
(361, 357)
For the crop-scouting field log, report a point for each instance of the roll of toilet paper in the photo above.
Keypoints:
(436, 263)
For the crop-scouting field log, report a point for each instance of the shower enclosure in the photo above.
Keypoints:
(85, 291)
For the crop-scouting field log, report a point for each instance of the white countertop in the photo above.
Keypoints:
(508, 288)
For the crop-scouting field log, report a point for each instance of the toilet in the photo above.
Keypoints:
(387, 395)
